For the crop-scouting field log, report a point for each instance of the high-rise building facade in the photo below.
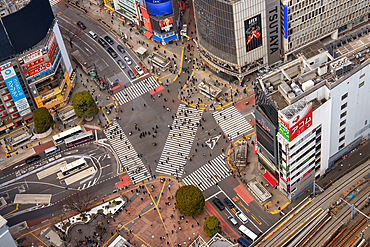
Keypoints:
(35, 69)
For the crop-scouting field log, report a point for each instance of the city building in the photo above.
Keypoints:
(6, 238)
(35, 68)
(313, 110)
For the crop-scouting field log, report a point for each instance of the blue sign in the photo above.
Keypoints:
(158, 8)
(285, 21)
(13, 84)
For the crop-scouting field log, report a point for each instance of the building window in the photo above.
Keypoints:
(344, 96)
(365, 122)
(342, 131)
(343, 106)
(343, 122)
(343, 114)
(361, 84)
(362, 76)
(341, 146)
(342, 138)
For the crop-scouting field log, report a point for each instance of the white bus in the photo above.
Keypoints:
(248, 234)
(79, 139)
(75, 165)
(59, 138)
(52, 150)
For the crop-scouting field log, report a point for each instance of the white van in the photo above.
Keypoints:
(52, 150)
(241, 217)
(92, 34)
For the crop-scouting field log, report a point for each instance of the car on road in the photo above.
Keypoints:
(92, 34)
(121, 49)
(241, 217)
(102, 42)
(218, 203)
(232, 220)
(109, 40)
(121, 64)
(128, 60)
(32, 159)
(131, 74)
(228, 202)
(112, 52)
(139, 70)
(81, 25)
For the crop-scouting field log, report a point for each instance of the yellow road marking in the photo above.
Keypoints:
(259, 222)
(235, 198)
(68, 18)
(39, 239)
(12, 211)
(180, 69)
(241, 204)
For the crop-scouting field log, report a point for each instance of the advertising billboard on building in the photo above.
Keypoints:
(166, 25)
(158, 7)
(291, 128)
(273, 25)
(14, 87)
(253, 32)
(146, 20)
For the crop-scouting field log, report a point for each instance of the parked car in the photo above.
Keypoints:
(32, 159)
(112, 52)
(241, 217)
(109, 40)
(232, 220)
(228, 202)
(121, 49)
(218, 203)
(81, 25)
(139, 70)
(131, 74)
(92, 34)
(102, 42)
(121, 64)
(128, 60)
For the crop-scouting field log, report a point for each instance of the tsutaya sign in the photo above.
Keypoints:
(273, 25)
(290, 129)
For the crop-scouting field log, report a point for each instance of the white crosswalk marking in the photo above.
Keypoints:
(209, 174)
(136, 90)
(126, 153)
(53, 2)
(179, 141)
(232, 123)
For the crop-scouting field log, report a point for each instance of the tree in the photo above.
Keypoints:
(189, 200)
(211, 226)
(84, 105)
(42, 120)
(79, 201)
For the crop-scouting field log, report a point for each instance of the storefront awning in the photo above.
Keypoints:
(148, 34)
(143, 28)
(168, 39)
(156, 38)
(269, 178)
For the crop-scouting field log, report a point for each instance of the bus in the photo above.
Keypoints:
(248, 234)
(59, 138)
(79, 139)
(73, 166)
(52, 150)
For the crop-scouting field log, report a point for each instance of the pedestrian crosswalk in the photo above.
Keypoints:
(136, 90)
(53, 2)
(209, 174)
(232, 123)
(126, 153)
(88, 184)
(179, 141)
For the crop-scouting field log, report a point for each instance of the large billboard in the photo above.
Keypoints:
(146, 20)
(14, 87)
(290, 129)
(253, 32)
(158, 7)
(166, 25)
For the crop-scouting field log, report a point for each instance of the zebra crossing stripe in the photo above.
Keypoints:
(209, 174)
(232, 122)
(136, 90)
(126, 153)
(179, 141)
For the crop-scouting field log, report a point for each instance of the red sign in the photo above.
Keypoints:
(36, 62)
(166, 24)
(307, 172)
(300, 122)
(51, 49)
(38, 69)
(255, 144)
(146, 20)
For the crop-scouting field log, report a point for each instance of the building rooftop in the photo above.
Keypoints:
(2, 221)
(315, 67)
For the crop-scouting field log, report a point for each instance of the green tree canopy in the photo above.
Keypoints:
(42, 120)
(211, 226)
(189, 200)
(84, 105)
